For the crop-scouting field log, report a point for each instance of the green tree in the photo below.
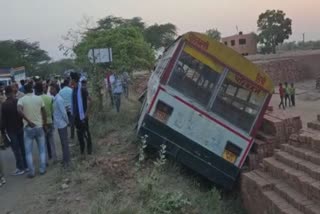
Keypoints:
(160, 35)
(111, 22)
(49, 69)
(22, 53)
(274, 28)
(130, 52)
(214, 33)
(157, 35)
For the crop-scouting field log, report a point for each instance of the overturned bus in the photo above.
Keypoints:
(205, 102)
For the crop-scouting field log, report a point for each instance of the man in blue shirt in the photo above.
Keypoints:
(117, 90)
(66, 94)
(61, 121)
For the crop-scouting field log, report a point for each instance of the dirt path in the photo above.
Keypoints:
(307, 101)
(21, 193)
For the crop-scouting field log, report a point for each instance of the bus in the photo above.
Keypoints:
(205, 102)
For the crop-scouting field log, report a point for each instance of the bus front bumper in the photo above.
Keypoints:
(189, 153)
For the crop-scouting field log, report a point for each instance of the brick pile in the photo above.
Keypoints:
(276, 129)
(284, 70)
(289, 181)
(260, 149)
(281, 124)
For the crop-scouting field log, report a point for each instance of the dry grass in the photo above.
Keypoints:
(110, 182)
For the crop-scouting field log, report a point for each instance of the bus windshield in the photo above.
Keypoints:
(237, 104)
(193, 78)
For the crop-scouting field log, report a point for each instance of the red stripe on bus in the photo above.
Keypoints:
(246, 153)
(154, 99)
(172, 62)
(261, 116)
(208, 116)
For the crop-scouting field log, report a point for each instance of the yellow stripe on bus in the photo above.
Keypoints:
(230, 58)
(204, 59)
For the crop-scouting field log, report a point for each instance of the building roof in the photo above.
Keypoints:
(237, 36)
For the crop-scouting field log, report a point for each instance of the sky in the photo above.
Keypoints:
(47, 21)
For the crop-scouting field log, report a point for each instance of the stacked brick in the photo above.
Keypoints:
(281, 124)
(285, 70)
(262, 148)
(289, 181)
(276, 129)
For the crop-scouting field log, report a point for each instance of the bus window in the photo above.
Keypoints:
(165, 59)
(238, 105)
(161, 66)
(193, 79)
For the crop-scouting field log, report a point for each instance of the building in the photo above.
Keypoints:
(7, 75)
(245, 44)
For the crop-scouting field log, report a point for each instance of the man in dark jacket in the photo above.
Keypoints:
(80, 111)
(12, 130)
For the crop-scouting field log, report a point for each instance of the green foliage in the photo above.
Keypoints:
(169, 203)
(49, 69)
(160, 35)
(156, 35)
(273, 29)
(130, 51)
(111, 22)
(22, 53)
(142, 148)
(214, 33)
(161, 160)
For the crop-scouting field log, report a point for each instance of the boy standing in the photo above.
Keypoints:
(293, 95)
(287, 94)
(282, 94)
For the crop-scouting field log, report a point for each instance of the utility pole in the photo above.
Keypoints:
(303, 37)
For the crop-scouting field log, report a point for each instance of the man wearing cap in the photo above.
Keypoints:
(80, 109)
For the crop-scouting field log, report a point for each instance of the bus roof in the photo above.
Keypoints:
(229, 58)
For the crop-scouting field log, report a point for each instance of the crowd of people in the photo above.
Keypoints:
(32, 112)
(287, 95)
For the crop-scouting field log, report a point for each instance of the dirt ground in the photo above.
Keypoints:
(307, 101)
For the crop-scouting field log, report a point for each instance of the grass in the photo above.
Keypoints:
(156, 186)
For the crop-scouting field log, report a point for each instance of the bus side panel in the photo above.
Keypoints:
(200, 128)
(189, 153)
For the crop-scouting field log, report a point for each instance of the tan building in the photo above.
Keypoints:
(245, 44)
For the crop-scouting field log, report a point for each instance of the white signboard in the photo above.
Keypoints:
(101, 55)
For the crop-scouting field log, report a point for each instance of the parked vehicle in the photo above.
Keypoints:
(205, 102)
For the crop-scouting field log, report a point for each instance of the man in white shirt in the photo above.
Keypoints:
(61, 122)
(32, 109)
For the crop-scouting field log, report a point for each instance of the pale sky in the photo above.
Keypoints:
(46, 21)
